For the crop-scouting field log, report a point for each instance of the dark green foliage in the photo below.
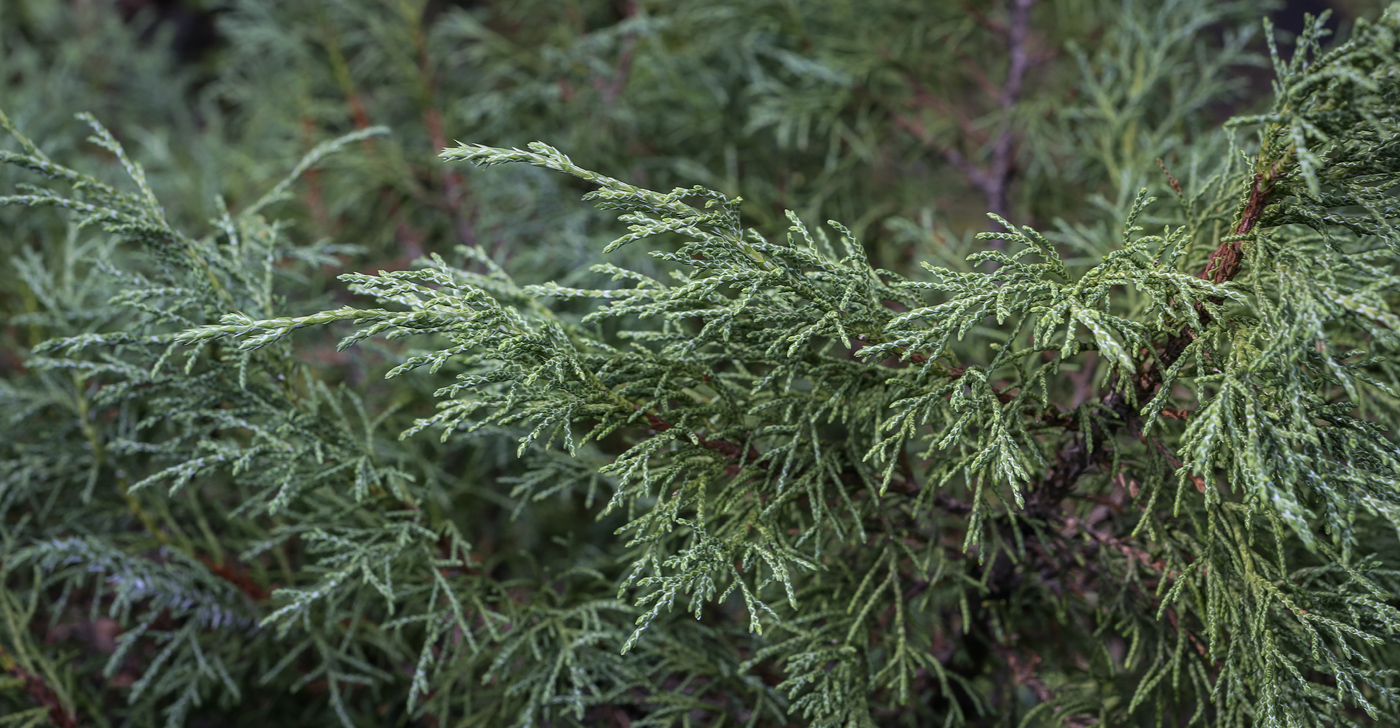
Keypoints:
(1128, 459)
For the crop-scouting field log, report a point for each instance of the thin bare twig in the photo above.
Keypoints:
(993, 179)
(1018, 34)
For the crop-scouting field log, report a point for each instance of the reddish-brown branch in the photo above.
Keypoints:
(1074, 459)
(728, 449)
(1175, 185)
(1175, 413)
(1171, 457)
(1225, 261)
(236, 576)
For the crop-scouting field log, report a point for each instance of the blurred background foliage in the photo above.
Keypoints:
(908, 120)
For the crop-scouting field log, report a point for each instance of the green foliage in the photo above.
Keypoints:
(1135, 465)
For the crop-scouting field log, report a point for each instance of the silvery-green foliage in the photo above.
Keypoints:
(1134, 467)
(779, 387)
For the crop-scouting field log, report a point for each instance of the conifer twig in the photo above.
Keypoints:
(994, 178)
(1074, 459)
(1017, 38)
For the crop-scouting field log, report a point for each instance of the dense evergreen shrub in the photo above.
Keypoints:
(1122, 453)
